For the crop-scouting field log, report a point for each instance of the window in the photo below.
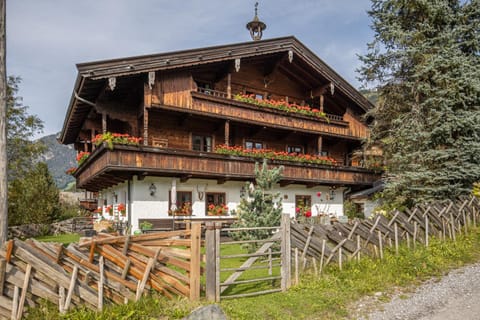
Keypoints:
(257, 96)
(303, 203)
(184, 203)
(215, 204)
(202, 143)
(253, 145)
(294, 149)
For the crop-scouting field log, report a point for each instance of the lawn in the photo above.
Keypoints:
(65, 239)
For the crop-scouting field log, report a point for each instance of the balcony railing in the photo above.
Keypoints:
(107, 167)
(224, 95)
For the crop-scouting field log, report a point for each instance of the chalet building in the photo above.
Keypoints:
(179, 133)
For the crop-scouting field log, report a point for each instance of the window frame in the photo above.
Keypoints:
(302, 150)
(254, 144)
(203, 144)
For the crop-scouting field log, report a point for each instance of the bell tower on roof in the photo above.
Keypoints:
(256, 26)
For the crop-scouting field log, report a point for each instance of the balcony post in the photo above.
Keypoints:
(227, 132)
(145, 126)
(319, 145)
(229, 86)
(92, 137)
(321, 102)
(104, 122)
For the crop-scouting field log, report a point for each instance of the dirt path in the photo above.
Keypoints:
(455, 296)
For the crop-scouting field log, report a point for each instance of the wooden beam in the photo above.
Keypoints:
(185, 178)
(319, 91)
(284, 183)
(222, 180)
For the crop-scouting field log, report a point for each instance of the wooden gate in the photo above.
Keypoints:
(267, 270)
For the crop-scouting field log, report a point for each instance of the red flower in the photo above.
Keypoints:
(297, 210)
(319, 194)
(308, 214)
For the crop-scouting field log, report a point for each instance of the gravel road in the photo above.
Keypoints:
(455, 296)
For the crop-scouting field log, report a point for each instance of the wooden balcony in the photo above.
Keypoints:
(106, 168)
(217, 104)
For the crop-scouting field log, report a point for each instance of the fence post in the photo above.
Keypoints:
(286, 253)
(195, 246)
(210, 264)
(218, 291)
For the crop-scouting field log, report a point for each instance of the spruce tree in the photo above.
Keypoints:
(259, 207)
(424, 61)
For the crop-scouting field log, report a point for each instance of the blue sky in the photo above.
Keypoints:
(46, 38)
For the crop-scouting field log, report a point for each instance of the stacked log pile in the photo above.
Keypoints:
(318, 245)
(104, 269)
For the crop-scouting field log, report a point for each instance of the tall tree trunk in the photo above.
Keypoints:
(3, 126)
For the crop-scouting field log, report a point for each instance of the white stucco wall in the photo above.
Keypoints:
(145, 206)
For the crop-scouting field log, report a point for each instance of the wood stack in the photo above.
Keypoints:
(105, 269)
(342, 241)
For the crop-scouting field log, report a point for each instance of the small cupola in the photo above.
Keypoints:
(256, 26)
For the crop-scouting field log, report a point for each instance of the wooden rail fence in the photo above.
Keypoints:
(318, 245)
(100, 270)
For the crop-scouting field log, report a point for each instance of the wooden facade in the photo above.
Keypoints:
(169, 99)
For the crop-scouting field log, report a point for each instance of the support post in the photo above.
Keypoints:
(104, 122)
(227, 132)
(322, 257)
(195, 246)
(296, 267)
(395, 226)
(210, 267)
(380, 244)
(218, 227)
(229, 86)
(3, 269)
(100, 284)
(319, 145)
(145, 126)
(23, 296)
(286, 252)
(426, 231)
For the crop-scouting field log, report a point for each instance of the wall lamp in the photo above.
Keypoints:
(152, 189)
(332, 192)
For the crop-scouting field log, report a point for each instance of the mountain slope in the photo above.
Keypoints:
(59, 158)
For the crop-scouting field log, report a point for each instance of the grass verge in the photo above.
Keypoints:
(325, 297)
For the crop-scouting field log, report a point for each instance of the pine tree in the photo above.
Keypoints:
(259, 207)
(425, 61)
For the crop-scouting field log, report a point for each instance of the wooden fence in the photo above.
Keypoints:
(273, 257)
(100, 270)
(317, 245)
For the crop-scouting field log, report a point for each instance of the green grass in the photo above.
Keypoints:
(325, 297)
(63, 238)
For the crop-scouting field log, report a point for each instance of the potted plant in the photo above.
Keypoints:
(122, 209)
(217, 210)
